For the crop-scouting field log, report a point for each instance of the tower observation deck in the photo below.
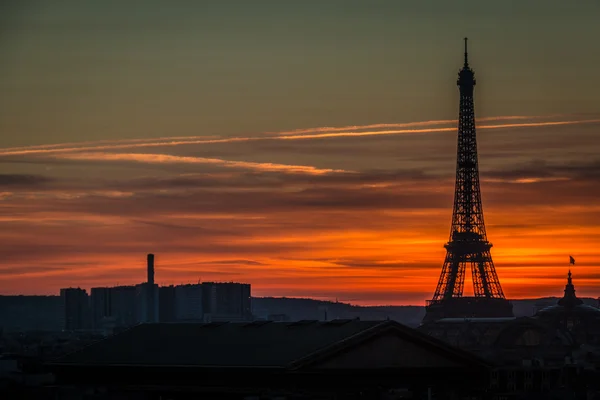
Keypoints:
(468, 244)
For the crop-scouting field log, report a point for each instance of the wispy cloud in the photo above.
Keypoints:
(170, 159)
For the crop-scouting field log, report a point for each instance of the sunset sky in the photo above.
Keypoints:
(305, 147)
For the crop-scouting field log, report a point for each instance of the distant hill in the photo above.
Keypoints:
(298, 308)
(45, 312)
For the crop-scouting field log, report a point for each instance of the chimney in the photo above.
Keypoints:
(150, 290)
(150, 269)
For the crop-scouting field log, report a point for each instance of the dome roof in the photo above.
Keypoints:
(578, 310)
(569, 304)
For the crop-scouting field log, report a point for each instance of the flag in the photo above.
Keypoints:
(571, 260)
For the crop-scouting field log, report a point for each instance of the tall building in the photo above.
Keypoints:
(123, 305)
(76, 308)
(188, 302)
(226, 301)
(146, 303)
(116, 306)
(167, 311)
(100, 305)
(468, 244)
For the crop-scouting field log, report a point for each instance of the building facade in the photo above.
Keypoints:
(114, 307)
(100, 300)
(76, 309)
(146, 300)
(226, 301)
(166, 304)
(188, 302)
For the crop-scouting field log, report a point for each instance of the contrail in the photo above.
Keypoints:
(170, 159)
(407, 124)
(292, 132)
(108, 141)
(432, 130)
(178, 141)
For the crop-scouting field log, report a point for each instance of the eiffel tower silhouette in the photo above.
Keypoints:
(468, 244)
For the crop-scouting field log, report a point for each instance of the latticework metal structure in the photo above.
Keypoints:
(468, 244)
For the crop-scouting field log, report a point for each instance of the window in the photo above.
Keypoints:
(494, 379)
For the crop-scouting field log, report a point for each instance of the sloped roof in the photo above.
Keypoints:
(258, 344)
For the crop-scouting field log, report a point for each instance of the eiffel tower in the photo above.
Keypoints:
(468, 244)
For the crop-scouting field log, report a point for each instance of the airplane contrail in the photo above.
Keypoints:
(178, 141)
(407, 124)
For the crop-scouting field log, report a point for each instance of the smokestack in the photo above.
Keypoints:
(150, 290)
(150, 269)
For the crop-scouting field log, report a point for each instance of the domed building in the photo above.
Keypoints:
(529, 341)
(571, 314)
(553, 333)
(549, 355)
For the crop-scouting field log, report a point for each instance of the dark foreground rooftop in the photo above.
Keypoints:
(257, 344)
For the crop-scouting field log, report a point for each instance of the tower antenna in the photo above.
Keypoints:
(466, 53)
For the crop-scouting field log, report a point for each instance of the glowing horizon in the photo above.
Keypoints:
(385, 254)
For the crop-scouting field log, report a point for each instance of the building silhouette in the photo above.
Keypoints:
(147, 304)
(468, 245)
(76, 309)
(100, 300)
(226, 301)
(188, 302)
(166, 304)
(337, 359)
(125, 306)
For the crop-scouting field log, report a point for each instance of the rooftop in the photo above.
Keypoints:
(476, 320)
(234, 344)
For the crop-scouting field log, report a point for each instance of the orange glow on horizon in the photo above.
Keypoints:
(387, 261)
(320, 226)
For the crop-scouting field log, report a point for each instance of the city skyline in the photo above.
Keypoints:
(314, 158)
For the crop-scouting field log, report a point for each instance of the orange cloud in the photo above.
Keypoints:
(169, 159)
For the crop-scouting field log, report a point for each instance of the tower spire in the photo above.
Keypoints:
(466, 53)
(570, 299)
